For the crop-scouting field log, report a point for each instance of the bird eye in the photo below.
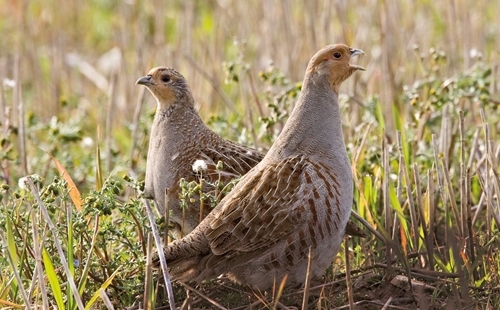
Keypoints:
(337, 55)
(165, 78)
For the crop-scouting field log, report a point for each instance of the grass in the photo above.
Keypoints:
(421, 126)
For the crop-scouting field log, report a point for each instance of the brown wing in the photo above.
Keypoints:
(237, 161)
(267, 206)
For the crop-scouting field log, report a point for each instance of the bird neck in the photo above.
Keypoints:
(314, 127)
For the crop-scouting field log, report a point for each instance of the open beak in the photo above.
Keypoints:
(145, 80)
(356, 52)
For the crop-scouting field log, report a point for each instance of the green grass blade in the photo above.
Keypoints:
(99, 179)
(11, 245)
(380, 115)
(53, 281)
(399, 212)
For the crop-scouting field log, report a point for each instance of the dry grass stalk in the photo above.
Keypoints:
(387, 303)
(348, 275)
(420, 206)
(148, 300)
(411, 205)
(307, 282)
(159, 246)
(386, 199)
(463, 296)
(37, 246)
(135, 128)
(19, 106)
(105, 299)
(110, 115)
(279, 292)
(429, 241)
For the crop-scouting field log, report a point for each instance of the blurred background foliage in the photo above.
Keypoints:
(77, 61)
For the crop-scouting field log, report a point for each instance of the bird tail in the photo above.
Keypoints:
(194, 244)
(185, 270)
(183, 256)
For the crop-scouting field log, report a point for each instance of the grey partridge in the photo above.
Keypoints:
(297, 198)
(178, 139)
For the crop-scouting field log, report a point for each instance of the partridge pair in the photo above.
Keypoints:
(297, 198)
(178, 139)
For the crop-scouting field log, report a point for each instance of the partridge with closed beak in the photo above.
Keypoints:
(298, 197)
(178, 139)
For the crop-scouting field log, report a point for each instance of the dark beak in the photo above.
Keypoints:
(145, 80)
(356, 52)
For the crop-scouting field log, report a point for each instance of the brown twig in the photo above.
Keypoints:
(197, 292)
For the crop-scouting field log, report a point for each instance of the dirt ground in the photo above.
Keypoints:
(370, 290)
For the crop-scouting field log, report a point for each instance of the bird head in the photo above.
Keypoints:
(333, 62)
(168, 87)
